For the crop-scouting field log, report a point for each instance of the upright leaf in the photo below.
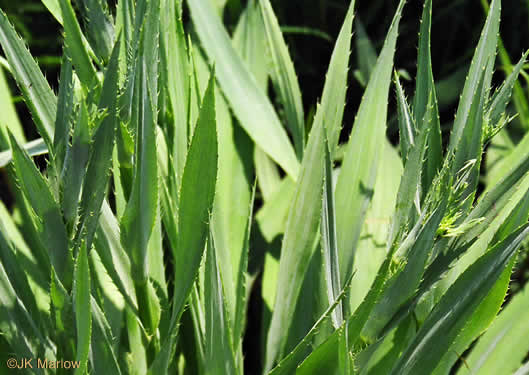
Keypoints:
(502, 348)
(456, 307)
(328, 241)
(298, 243)
(305, 210)
(63, 120)
(138, 220)
(407, 125)
(50, 225)
(104, 357)
(480, 69)
(366, 54)
(100, 161)
(176, 63)
(354, 188)
(15, 321)
(8, 115)
(196, 198)
(424, 92)
(284, 77)
(75, 166)
(219, 346)
(333, 98)
(36, 91)
(100, 30)
(292, 360)
(249, 103)
(83, 315)
(74, 40)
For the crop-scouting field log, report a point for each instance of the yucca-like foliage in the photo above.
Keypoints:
(172, 183)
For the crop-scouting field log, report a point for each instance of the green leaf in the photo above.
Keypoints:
(403, 284)
(366, 55)
(249, 40)
(33, 148)
(382, 355)
(232, 196)
(75, 167)
(177, 65)
(409, 191)
(516, 213)
(114, 257)
(137, 356)
(267, 174)
(8, 115)
(249, 103)
(284, 77)
(495, 198)
(34, 266)
(104, 358)
(196, 198)
(54, 8)
(230, 208)
(407, 126)
(372, 245)
(523, 370)
(63, 120)
(481, 320)
(325, 358)
(467, 157)
(304, 218)
(36, 91)
(100, 160)
(242, 282)
(456, 307)
(272, 217)
(51, 228)
(298, 243)
(74, 41)
(219, 349)
(328, 241)
(480, 69)
(332, 102)
(16, 324)
(138, 220)
(355, 183)
(100, 30)
(83, 315)
(425, 107)
(495, 117)
(15, 267)
(292, 360)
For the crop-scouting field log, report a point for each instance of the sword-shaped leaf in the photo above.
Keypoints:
(456, 307)
(74, 40)
(247, 100)
(219, 351)
(36, 91)
(354, 188)
(284, 76)
(50, 225)
(83, 311)
(425, 107)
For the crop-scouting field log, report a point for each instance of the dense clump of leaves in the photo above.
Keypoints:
(136, 249)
